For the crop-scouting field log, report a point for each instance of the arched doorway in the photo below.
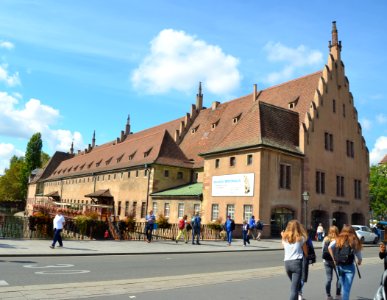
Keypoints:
(357, 219)
(320, 216)
(279, 219)
(339, 219)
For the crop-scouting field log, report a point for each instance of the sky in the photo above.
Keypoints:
(69, 68)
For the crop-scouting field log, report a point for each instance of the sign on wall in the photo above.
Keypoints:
(233, 185)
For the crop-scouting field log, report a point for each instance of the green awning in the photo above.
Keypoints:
(194, 190)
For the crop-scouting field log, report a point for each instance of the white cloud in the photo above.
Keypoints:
(294, 59)
(6, 152)
(379, 150)
(35, 117)
(6, 45)
(178, 61)
(366, 124)
(10, 80)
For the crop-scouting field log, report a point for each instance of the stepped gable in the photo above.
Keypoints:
(211, 126)
(299, 91)
(137, 149)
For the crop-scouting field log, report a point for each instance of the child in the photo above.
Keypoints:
(245, 230)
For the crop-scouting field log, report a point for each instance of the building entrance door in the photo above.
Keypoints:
(279, 219)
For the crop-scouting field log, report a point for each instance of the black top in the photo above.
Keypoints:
(383, 255)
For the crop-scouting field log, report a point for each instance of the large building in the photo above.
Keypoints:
(294, 150)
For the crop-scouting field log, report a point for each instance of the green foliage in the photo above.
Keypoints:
(216, 225)
(10, 182)
(162, 221)
(378, 191)
(44, 158)
(82, 223)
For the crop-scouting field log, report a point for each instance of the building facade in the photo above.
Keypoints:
(254, 155)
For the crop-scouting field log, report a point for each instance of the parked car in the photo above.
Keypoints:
(365, 234)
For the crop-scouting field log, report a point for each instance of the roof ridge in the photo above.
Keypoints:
(292, 80)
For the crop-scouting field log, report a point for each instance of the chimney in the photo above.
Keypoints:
(122, 135)
(199, 98)
(176, 135)
(72, 148)
(255, 92)
(93, 141)
(215, 105)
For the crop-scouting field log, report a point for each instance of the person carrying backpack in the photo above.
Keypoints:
(329, 266)
(182, 225)
(253, 228)
(196, 223)
(259, 229)
(344, 249)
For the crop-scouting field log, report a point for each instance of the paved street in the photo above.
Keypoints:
(81, 270)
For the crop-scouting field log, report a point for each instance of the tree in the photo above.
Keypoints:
(44, 159)
(32, 160)
(11, 181)
(378, 190)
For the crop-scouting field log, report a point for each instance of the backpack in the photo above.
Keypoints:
(259, 225)
(181, 224)
(344, 255)
(311, 258)
(189, 227)
(196, 222)
(232, 225)
(325, 253)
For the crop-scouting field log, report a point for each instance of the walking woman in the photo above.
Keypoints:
(293, 240)
(343, 250)
(329, 265)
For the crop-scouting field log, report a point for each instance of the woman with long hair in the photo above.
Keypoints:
(293, 240)
(329, 265)
(343, 250)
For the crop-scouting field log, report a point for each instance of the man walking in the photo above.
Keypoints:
(150, 221)
(58, 224)
(196, 222)
(259, 229)
(253, 228)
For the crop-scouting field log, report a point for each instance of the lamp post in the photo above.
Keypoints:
(305, 197)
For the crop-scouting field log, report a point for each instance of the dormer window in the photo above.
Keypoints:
(293, 103)
(98, 163)
(69, 169)
(81, 167)
(108, 161)
(90, 164)
(193, 130)
(120, 157)
(236, 118)
(146, 153)
(131, 156)
(75, 168)
(214, 125)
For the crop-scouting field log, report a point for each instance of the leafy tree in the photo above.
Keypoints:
(33, 160)
(11, 181)
(44, 159)
(378, 190)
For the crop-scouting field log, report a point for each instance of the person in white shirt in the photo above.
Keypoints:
(58, 224)
(293, 240)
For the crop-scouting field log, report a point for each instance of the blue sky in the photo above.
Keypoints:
(68, 68)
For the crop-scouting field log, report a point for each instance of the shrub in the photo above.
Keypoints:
(216, 225)
(162, 221)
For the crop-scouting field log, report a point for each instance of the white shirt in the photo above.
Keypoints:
(59, 221)
(293, 251)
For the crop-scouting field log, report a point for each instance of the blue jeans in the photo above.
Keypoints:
(245, 236)
(329, 269)
(294, 271)
(346, 275)
(57, 237)
(196, 233)
(229, 236)
(148, 231)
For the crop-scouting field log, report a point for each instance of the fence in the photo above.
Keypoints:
(20, 227)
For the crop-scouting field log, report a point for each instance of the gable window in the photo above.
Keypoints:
(357, 189)
(340, 186)
(320, 182)
(232, 161)
(249, 159)
(214, 212)
(217, 161)
(350, 149)
(328, 141)
(285, 177)
(179, 175)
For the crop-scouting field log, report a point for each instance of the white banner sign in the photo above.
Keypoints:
(233, 185)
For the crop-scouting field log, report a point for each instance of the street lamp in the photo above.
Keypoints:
(305, 197)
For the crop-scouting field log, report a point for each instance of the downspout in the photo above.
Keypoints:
(147, 188)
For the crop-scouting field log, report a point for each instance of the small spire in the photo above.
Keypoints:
(93, 141)
(200, 89)
(127, 127)
(72, 147)
(128, 120)
(199, 98)
(334, 34)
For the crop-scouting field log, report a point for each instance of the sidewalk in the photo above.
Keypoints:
(26, 247)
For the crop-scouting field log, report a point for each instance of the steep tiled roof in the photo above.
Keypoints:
(384, 160)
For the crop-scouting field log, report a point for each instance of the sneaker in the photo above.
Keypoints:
(176, 241)
(338, 297)
(52, 247)
(329, 298)
(60, 246)
(198, 243)
(300, 297)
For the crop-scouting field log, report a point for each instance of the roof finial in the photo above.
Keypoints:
(72, 147)
(199, 98)
(334, 34)
(93, 141)
(127, 128)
